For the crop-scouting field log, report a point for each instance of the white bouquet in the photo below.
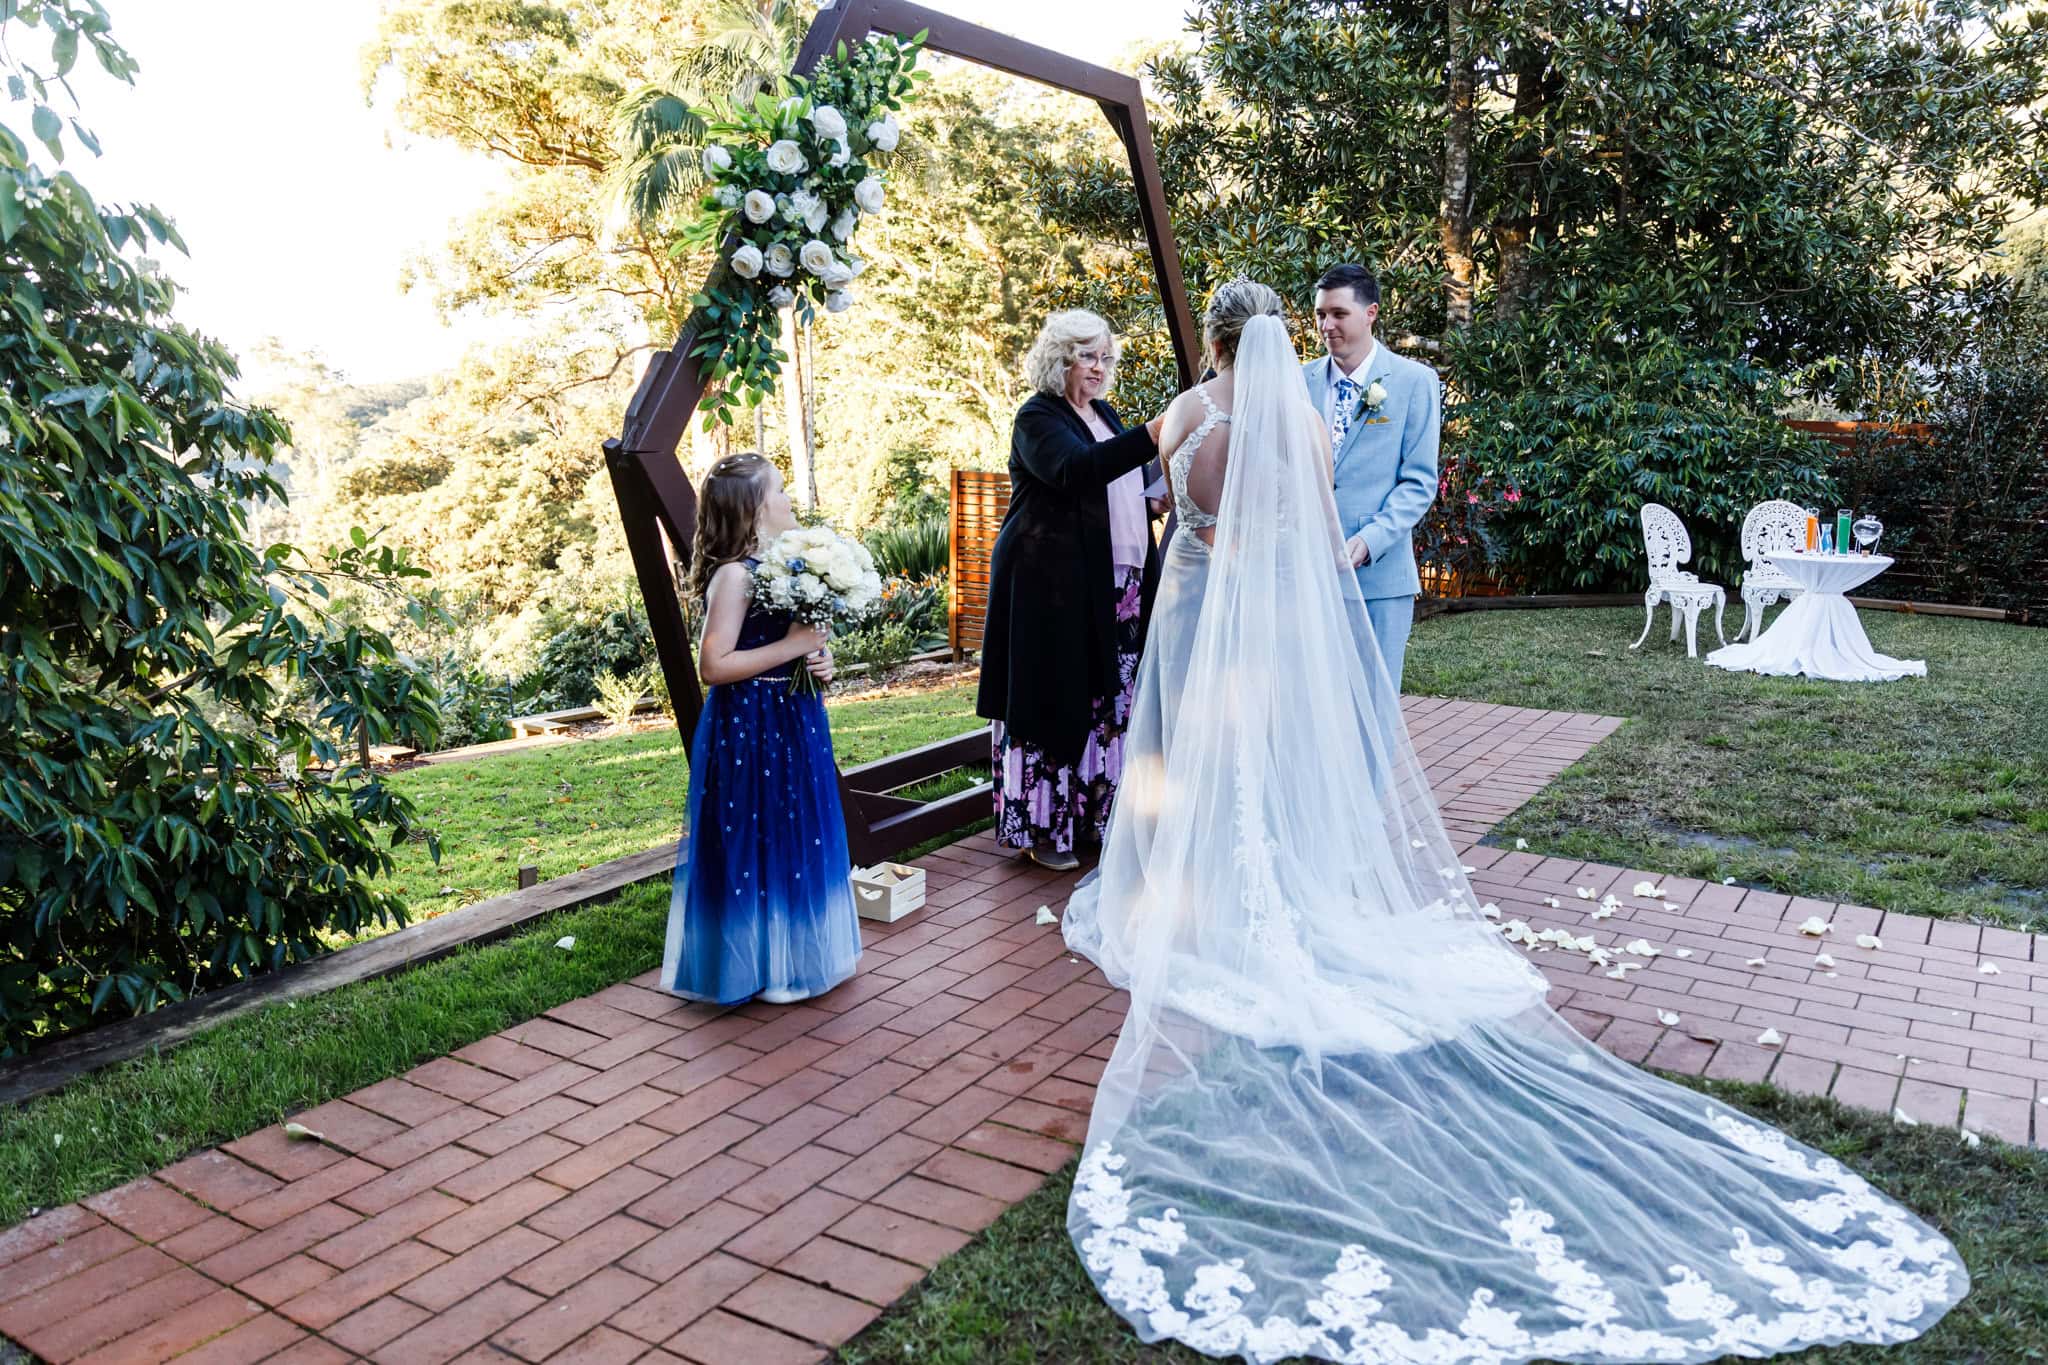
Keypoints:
(819, 577)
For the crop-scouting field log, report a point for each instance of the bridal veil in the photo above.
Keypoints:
(1341, 1121)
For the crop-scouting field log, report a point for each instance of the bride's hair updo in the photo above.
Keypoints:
(1233, 305)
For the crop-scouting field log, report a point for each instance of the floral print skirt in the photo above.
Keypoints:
(1050, 805)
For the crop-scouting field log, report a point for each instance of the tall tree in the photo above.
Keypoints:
(1628, 233)
(1781, 175)
(165, 686)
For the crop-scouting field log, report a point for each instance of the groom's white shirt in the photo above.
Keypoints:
(1356, 374)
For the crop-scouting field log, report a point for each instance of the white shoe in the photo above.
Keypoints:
(783, 997)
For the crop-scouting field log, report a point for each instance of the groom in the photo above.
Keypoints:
(1383, 413)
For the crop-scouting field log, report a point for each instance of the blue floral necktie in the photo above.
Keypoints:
(1347, 410)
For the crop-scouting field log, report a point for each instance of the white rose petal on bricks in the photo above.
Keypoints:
(1770, 1037)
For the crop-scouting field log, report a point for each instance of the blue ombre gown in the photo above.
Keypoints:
(762, 898)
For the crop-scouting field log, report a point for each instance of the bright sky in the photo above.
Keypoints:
(300, 203)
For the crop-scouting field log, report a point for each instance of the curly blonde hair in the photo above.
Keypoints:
(1235, 303)
(1064, 334)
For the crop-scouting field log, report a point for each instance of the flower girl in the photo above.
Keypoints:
(763, 905)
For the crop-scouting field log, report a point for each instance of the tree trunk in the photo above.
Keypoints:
(1455, 212)
(1525, 185)
(795, 417)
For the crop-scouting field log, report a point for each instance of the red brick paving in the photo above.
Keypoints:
(630, 1178)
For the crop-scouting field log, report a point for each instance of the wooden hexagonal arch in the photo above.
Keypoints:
(655, 496)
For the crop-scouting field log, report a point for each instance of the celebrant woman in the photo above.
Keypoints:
(1070, 585)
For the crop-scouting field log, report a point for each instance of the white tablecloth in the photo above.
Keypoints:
(1819, 634)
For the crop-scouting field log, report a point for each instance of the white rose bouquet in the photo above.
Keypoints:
(788, 176)
(819, 577)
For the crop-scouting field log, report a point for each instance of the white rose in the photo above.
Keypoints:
(760, 206)
(842, 226)
(716, 159)
(781, 263)
(781, 296)
(829, 122)
(800, 205)
(837, 276)
(816, 219)
(838, 301)
(746, 261)
(868, 194)
(728, 196)
(786, 158)
(884, 135)
(1376, 393)
(816, 257)
(856, 265)
(840, 155)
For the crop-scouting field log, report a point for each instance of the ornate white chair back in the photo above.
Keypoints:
(1666, 543)
(1771, 526)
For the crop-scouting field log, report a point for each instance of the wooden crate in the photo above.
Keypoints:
(887, 891)
(980, 500)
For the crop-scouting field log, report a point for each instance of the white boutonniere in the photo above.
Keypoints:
(1375, 398)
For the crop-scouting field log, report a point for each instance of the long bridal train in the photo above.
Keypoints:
(1341, 1120)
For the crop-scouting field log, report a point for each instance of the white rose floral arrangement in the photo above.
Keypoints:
(819, 577)
(787, 180)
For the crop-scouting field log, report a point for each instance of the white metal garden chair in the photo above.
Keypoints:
(1666, 543)
(1770, 527)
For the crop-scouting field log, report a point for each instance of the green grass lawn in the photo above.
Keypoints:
(568, 806)
(1018, 1295)
(1928, 796)
(138, 1116)
(624, 795)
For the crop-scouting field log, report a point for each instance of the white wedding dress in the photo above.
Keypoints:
(1341, 1121)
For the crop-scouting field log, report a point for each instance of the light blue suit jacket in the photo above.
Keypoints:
(1386, 468)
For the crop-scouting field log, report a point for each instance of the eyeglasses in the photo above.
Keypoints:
(1091, 357)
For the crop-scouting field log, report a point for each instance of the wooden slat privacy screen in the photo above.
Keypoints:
(980, 498)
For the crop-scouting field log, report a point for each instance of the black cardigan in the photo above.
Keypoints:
(1049, 645)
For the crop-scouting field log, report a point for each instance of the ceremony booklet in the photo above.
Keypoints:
(1156, 488)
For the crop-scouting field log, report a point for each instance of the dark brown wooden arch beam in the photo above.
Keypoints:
(655, 496)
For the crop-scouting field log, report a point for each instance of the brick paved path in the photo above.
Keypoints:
(632, 1179)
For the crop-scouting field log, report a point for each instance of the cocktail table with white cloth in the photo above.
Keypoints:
(1819, 634)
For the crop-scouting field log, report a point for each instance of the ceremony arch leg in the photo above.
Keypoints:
(656, 499)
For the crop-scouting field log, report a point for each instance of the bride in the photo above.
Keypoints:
(1341, 1120)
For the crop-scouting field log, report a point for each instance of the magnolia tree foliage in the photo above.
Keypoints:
(1694, 209)
(166, 688)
